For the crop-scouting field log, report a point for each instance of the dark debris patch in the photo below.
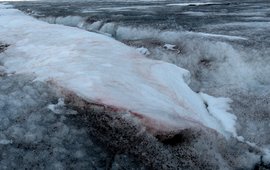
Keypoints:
(182, 137)
(261, 165)
(3, 47)
(205, 62)
(123, 135)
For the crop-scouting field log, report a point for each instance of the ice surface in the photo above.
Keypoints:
(243, 24)
(131, 33)
(193, 4)
(68, 20)
(122, 32)
(192, 13)
(105, 71)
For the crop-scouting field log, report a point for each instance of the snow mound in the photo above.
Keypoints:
(104, 71)
(219, 108)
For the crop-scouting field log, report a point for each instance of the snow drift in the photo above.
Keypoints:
(104, 71)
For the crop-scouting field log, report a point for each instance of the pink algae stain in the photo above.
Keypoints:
(138, 115)
(159, 127)
(155, 126)
(109, 108)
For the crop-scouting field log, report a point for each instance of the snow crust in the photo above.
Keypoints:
(102, 70)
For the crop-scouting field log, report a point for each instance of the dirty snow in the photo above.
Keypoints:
(102, 70)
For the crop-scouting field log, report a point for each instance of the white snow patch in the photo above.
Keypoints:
(170, 47)
(67, 20)
(130, 33)
(108, 28)
(218, 108)
(143, 51)
(130, 7)
(266, 157)
(5, 142)
(102, 70)
(193, 4)
(198, 14)
(57, 108)
(256, 24)
(252, 144)
(240, 138)
(228, 37)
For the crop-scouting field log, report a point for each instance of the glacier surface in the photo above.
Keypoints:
(104, 71)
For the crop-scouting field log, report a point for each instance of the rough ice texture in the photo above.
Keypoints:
(104, 71)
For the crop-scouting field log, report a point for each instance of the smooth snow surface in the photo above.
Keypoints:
(102, 70)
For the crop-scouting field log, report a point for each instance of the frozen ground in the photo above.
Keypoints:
(226, 50)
